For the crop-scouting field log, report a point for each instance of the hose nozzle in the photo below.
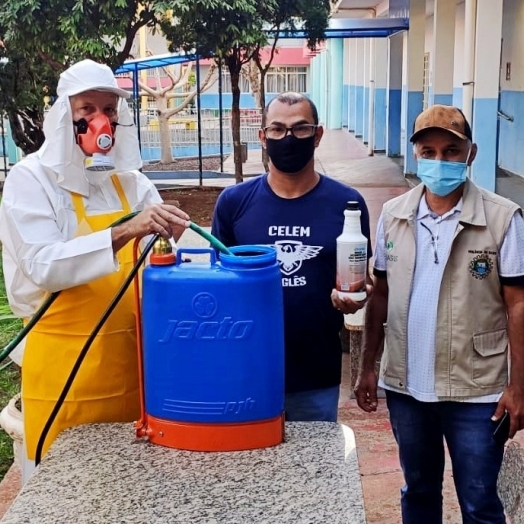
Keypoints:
(162, 253)
(162, 247)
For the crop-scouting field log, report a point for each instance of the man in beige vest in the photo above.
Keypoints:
(448, 302)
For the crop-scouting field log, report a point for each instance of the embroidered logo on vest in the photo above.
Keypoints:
(481, 266)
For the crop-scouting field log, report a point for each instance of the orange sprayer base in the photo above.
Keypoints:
(193, 436)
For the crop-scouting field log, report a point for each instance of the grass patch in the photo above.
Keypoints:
(9, 374)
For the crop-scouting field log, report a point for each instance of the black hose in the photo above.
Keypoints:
(45, 305)
(85, 349)
(27, 328)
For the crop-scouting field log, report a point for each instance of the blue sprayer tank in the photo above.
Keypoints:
(213, 350)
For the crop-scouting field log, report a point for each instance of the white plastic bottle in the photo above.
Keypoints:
(352, 256)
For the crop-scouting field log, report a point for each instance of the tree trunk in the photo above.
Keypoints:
(235, 123)
(257, 77)
(166, 156)
(262, 105)
(166, 152)
(27, 129)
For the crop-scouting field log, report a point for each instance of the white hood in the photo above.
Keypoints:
(60, 152)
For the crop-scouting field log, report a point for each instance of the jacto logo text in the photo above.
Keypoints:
(225, 329)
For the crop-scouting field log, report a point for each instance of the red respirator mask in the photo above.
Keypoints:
(96, 138)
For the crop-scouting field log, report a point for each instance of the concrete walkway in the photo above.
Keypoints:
(378, 178)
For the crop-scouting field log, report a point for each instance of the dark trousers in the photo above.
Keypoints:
(420, 429)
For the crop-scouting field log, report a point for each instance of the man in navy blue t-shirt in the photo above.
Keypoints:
(301, 213)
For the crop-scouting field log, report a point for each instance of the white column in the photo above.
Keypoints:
(353, 66)
(486, 94)
(443, 52)
(470, 23)
(394, 95)
(412, 77)
(365, 83)
(381, 105)
(347, 82)
(359, 115)
(371, 97)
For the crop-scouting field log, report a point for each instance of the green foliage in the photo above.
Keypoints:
(9, 386)
(214, 27)
(9, 376)
(41, 38)
(234, 31)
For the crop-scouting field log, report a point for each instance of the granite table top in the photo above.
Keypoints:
(99, 473)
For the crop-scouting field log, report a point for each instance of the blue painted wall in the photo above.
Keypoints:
(446, 100)
(393, 122)
(352, 107)
(414, 101)
(336, 83)
(484, 130)
(345, 105)
(457, 97)
(381, 118)
(247, 101)
(315, 80)
(511, 139)
(359, 111)
(365, 115)
(322, 80)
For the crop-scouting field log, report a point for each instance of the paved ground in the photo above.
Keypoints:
(378, 178)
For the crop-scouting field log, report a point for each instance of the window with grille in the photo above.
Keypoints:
(280, 79)
(226, 82)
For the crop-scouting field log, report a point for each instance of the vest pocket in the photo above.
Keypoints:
(490, 361)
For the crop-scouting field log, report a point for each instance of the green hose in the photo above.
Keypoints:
(210, 238)
(45, 306)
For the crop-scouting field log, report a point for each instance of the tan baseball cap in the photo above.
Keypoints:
(439, 116)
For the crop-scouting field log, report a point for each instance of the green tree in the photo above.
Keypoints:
(40, 38)
(181, 89)
(234, 32)
(231, 31)
(310, 16)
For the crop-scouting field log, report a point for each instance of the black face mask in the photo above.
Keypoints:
(290, 154)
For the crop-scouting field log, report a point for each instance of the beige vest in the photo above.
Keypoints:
(471, 339)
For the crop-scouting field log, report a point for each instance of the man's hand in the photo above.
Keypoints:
(366, 390)
(163, 219)
(512, 401)
(348, 306)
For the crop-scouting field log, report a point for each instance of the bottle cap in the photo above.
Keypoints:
(352, 206)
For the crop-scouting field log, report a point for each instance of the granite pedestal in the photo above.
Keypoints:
(99, 473)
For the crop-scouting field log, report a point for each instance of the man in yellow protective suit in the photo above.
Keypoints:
(57, 208)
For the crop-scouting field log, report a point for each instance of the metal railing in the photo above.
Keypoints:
(184, 133)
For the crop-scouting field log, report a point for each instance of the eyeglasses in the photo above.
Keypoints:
(277, 132)
(434, 240)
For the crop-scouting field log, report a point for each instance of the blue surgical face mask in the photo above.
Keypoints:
(440, 176)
